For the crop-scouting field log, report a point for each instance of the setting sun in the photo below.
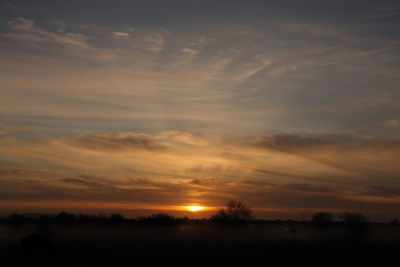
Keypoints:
(195, 208)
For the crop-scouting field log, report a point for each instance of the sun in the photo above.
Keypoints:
(195, 208)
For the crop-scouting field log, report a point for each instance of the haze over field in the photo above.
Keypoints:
(141, 106)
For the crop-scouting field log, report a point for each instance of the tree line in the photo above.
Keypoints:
(234, 213)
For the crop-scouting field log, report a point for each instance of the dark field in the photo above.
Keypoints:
(205, 244)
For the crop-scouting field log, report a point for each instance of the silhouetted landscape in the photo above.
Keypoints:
(231, 237)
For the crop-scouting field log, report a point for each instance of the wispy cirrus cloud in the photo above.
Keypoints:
(392, 123)
(157, 73)
(6, 128)
(27, 25)
(115, 142)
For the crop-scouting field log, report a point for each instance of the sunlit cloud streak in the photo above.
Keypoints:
(170, 168)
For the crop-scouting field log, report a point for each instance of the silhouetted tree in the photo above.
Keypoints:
(354, 219)
(221, 217)
(394, 222)
(87, 218)
(322, 218)
(116, 218)
(357, 226)
(235, 212)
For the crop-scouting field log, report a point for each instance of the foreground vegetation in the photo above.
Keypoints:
(234, 213)
(231, 237)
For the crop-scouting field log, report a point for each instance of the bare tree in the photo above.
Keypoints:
(322, 218)
(357, 227)
(235, 212)
(354, 219)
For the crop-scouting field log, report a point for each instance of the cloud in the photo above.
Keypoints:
(190, 51)
(81, 182)
(77, 44)
(117, 188)
(122, 35)
(21, 24)
(283, 158)
(93, 188)
(155, 42)
(382, 191)
(212, 182)
(8, 128)
(230, 80)
(251, 67)
(386, 11)
(278, 72)
(289, 142)
(308, 188)
(296, 143)
(23, 37)
(256, 183)
(26, 30)
(114, 142)
(184, 137)
(195, 47)
(392, 123)
(12, 172)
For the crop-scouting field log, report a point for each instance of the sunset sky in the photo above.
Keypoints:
(142, 106)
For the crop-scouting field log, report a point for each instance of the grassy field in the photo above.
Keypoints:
(202, 245)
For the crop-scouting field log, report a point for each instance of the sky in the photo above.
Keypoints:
(141, 106)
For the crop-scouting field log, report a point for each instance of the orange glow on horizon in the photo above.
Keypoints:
(195, 208)
(57, 206)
